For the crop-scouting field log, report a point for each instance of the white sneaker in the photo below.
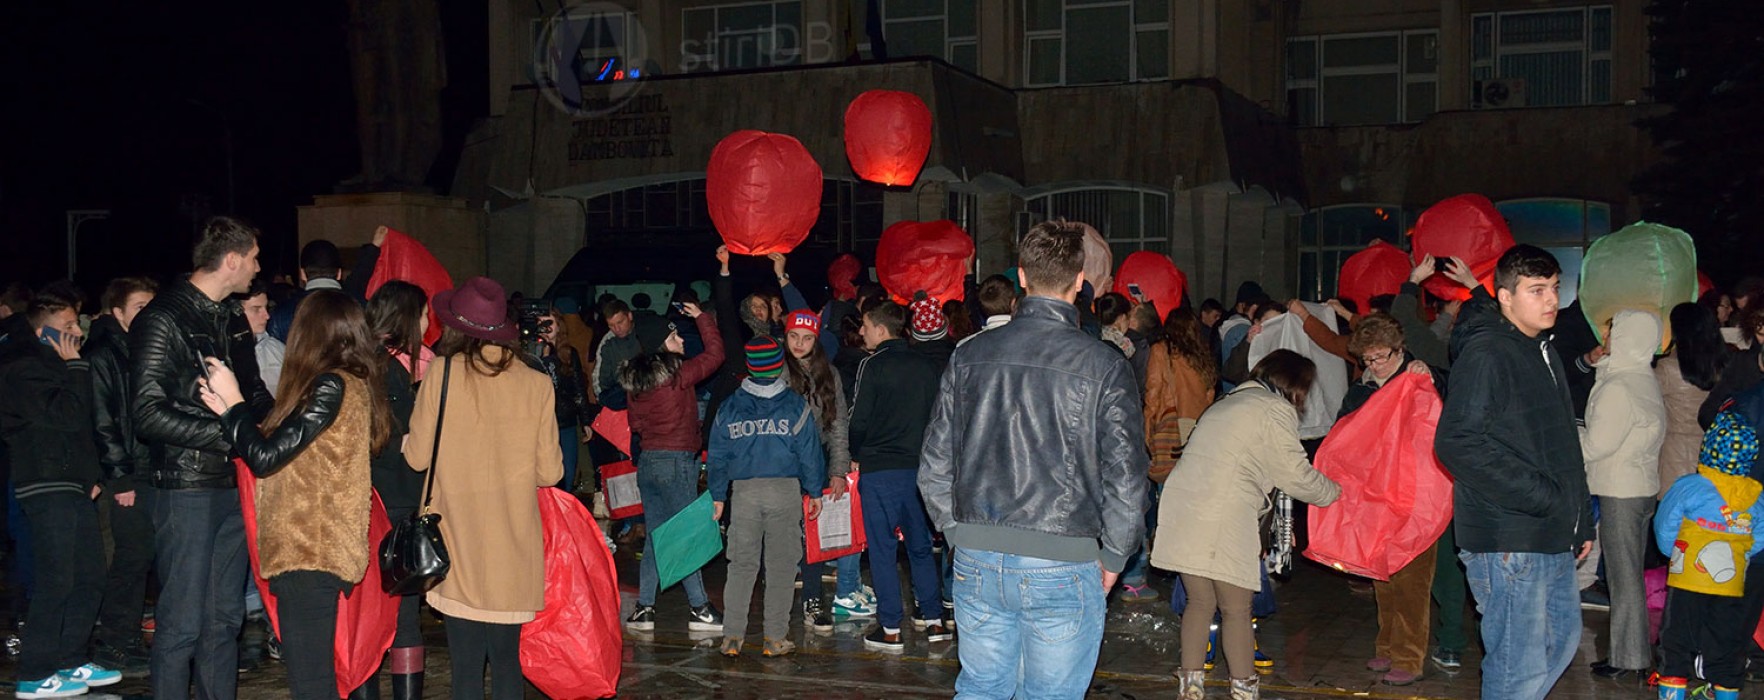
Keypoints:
(853, 606)
(55, 686)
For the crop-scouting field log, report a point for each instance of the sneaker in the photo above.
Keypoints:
(868, 595)
(55, 686)
(1446, 659)
(1142, 593)
(704, 618)
(853, 606)
(1593, 598)
(883, 640)
(147, 624)
(777, 647)
(92, 675)
(936, 632)
(273, 647)
(920, 623)
(815, 616)
(1378, 665)
(1399, 677)
(130, 659)
(731, 646)
(643, 618)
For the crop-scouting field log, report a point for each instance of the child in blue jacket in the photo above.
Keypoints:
(1705, 525)
(765, 447)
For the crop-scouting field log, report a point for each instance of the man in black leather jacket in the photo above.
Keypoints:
(200, 539)
(1034, 468)
(122, 458)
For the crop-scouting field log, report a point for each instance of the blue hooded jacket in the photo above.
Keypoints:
(765, 431)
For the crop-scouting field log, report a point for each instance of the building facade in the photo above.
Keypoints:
(1247, 139)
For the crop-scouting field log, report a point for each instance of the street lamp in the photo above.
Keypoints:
(227, 140)
(75, 217)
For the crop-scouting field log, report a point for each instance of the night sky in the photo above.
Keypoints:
(101, 115)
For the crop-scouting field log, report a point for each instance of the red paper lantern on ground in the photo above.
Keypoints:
(1157, 279)
(764, 192)
(1466, 227)
(924, 255)
(1379, 269)
(887, 136)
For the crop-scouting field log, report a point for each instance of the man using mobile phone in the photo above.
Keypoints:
(46, 420)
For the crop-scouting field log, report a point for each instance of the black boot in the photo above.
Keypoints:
(369, 690)
(407, 686)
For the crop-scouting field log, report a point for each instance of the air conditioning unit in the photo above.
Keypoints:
(1500, 93)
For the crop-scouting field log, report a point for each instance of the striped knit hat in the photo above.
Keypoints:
(765, 359)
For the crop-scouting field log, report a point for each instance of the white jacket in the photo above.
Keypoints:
(1626, 416)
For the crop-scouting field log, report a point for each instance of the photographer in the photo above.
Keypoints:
(558, 359)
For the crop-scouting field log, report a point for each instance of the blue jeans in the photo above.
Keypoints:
(891, 500)
(1031, 628)
(1530, 619)
(202, 567)
(847, 568)
(1136, 570)
(569, 439)
(668, 482)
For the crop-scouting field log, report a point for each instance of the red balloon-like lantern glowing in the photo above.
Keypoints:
(1148, 276)
(1467, 227)
(929, 256)
(1379, 269)
(887, 136)
(764, 192)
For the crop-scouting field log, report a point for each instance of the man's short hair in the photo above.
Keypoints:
(1211, 304)
(53, 299)
(120, 289)
(16, 297)
(320, 259)
(613, 307)
(998, 296)
(1051, 256)
(222, 235)
(890, 316)
(1524, 261)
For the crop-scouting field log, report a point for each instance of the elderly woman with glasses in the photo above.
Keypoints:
(1404, 601)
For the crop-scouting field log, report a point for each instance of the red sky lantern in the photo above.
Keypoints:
(887, 136)
(1704, 284)
(924, 255)
(1157, 279)
(764, 192)
(1466, 227)
(1380, 269)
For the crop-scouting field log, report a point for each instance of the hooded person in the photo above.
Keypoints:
(1625, 426)
(1705, 525)
(930, 329)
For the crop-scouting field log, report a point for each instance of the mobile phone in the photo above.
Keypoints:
(1133, 290)
(51, 336)
(1442, 265)
(679, 307)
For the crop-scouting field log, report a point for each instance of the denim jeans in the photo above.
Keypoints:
(70, 570)
(1530, 619)
(306, 603)
(200, 541)
(1136, 570)
(569, 439)
(891, 500)
(1031, 628)
(846, 568)
(125, 584)
(668, 482)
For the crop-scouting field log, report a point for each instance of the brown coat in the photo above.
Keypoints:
(313, 513)
(1172, 385)
(498, 447)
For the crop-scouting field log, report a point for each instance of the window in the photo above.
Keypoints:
(940, 28)
(608, 45)
(1074, 42)
(1564, 227)
(729, 37)
(1329, 236)
(1385, 78)
(1563, 56)
(851, 216)
(1130, 219)
(650, 209)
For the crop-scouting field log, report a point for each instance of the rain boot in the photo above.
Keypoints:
(1246, 688)
(1264, 664)
(1212, 645)
(406, 665)
(1672, 688)
(1725, 693)
(1191, 685)
(369, 690)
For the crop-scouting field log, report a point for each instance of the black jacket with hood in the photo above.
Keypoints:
(45, 414)
(1507, 437)
(121, 456)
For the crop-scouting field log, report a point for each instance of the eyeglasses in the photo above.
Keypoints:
(1369, 360)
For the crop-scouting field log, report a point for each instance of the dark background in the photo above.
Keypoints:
(99, 115)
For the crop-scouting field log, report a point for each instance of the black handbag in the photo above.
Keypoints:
(413, 558)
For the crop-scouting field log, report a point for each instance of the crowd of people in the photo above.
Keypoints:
(1036, 448)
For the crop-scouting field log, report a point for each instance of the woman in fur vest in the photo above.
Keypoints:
(315, 493)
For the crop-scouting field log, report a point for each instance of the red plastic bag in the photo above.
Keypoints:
(403, 258)
(615, 426)
(848, 538)
(764, 192)
(367, 618)
(1380, 269)
(1396, 500)
(1158, 280)
(1467, 227)
(619, 482)
(924, 255)
(574, 648)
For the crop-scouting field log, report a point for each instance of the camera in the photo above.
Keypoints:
(528, 313)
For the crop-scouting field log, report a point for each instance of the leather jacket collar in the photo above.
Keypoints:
(1046, 309)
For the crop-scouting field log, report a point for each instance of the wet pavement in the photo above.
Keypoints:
(1319, 639)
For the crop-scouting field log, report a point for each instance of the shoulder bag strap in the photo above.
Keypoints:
(440, 418)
